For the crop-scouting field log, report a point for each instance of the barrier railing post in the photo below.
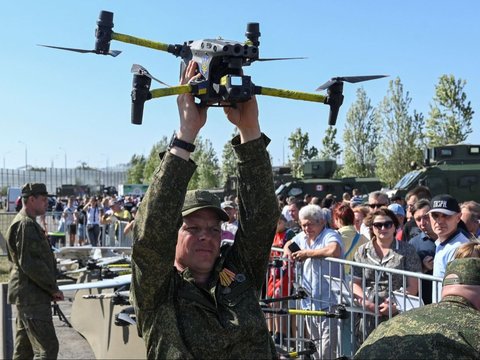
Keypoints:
(6, 328)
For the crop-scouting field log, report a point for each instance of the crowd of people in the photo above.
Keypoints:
(420, 233)
(196, 298)
(84, 219)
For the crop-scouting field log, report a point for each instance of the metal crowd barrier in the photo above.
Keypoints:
(110, 235)
(285, 315)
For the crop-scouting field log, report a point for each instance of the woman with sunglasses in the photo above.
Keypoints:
(385, 251)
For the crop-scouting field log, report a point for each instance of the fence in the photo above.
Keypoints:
(110, 234)
(338, 327)
(55, 177)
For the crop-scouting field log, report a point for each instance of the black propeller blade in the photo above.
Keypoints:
(350, 79)
(286, 58)
(113, 53)
(140, 70)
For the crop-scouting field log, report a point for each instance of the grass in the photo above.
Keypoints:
(3, 269)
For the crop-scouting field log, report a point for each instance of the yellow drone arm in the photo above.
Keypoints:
(139, 41)
(290, 94)
(174, 90)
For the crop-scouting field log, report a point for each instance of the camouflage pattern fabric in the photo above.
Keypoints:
(33, 267)
(35, 320)
(466, 271)
(177, 318)
(31, 286)
(446, 330)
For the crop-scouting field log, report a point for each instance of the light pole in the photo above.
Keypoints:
(26, 161)
(26, 158)
(66, 173)
(8, 152)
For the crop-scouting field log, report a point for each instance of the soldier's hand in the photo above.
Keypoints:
(58, 296)
(245, 117)
(192, 116)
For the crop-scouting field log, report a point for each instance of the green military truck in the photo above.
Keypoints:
(318, 181)
(449, 169)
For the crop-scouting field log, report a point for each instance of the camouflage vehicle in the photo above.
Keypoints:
(449, 169)
(318, 181)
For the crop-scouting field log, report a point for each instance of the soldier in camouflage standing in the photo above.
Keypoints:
(32, 285)
(446, 330)
(193, 299)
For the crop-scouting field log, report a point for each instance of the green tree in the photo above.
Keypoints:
(298, 144)
(153, 159)
(228, 160)
(450, 117)
(207, 175)
(136, 168)
(360, 138)
(331, 149)
(401, 137)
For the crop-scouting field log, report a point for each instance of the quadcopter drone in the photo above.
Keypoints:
(220, 63)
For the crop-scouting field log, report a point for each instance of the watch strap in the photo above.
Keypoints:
(176, 142)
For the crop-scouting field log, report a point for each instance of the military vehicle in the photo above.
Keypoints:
(449, 169)
(318, 181)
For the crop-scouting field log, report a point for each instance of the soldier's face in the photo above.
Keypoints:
(38, 204)
(198, 242)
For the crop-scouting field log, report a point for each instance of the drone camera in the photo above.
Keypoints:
(140, 94)
(236, 88)
(103, 33)
(253, 33)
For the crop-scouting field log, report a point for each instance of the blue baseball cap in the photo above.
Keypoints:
(397, 209)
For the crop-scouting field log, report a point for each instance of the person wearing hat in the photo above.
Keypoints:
(444, 215)
(445, 330)
(231, 224)
(193, 299)
(399, 212)
(32, 285)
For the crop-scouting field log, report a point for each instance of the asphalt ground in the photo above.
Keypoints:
(72, 344)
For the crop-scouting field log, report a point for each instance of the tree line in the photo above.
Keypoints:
(379, 141)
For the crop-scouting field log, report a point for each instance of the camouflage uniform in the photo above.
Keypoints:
(31, 286)
(446, 330)
(177, 318)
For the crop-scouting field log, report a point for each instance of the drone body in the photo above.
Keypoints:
(220, 63)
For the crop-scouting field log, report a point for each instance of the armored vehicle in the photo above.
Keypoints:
(449, 169)
(318, 181)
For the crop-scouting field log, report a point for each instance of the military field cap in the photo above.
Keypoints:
(444, 204)
(467, 271)
(30, 189)
(202, 199)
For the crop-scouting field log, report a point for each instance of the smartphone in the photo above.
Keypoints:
(293, 247)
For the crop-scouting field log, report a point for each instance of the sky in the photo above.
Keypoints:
(60, 108)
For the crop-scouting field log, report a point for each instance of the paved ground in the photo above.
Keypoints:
(72, 344)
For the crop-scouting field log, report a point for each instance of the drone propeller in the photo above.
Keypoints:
(287, 58)
(350, 79)
(113, 53)
(140, 70)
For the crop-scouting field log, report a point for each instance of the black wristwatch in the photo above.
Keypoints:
(174, 141)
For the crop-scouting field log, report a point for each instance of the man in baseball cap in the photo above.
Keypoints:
(444, 216)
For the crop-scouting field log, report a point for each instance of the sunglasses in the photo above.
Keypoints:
(385, 225)
(373, 206)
